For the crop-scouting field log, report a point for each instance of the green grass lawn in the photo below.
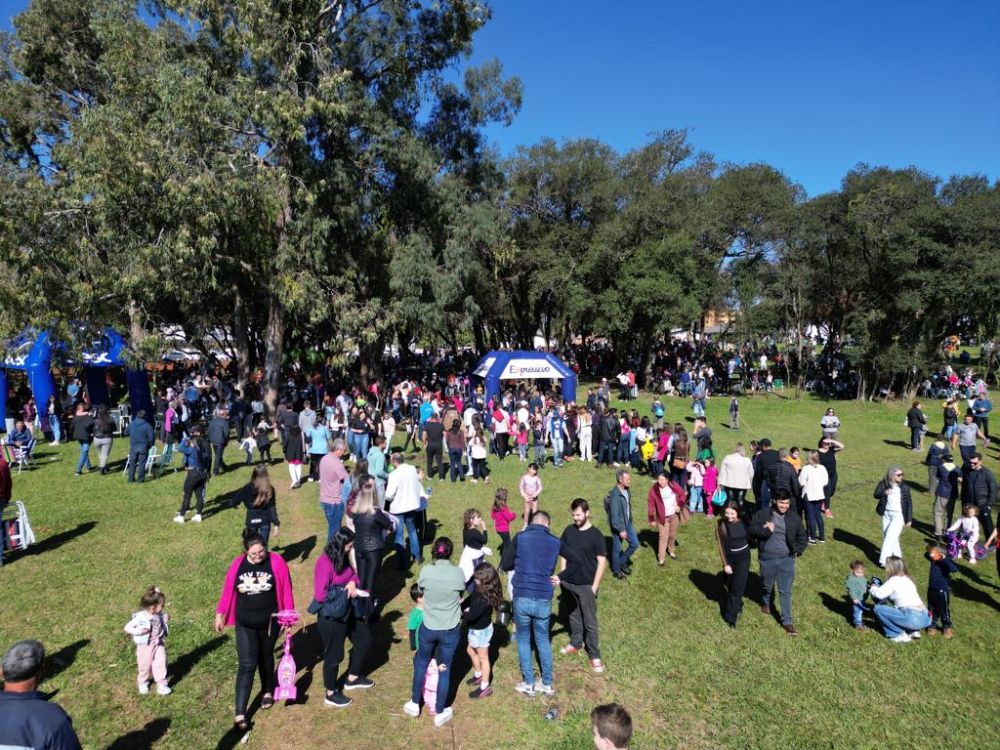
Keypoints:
(689, 681)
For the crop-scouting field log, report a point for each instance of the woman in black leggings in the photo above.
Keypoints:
(734, 548)
(333, 569)
(257, 587)
(370, 528)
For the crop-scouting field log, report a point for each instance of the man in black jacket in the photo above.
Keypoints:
(980, 489)
(140, 439)
(607, 436)
(780, 539)
(218, 436)
(782, 478)
(762, 466)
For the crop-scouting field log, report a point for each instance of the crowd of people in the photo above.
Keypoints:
(774, 500)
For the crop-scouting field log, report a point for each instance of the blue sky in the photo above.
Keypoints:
(812, 87)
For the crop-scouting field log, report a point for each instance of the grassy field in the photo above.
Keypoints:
(689, 681)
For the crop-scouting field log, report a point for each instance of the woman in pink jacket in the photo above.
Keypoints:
(257, 586)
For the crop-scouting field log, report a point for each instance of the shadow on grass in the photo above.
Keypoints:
(298, 550)
(864, 546)
(963, 590)
(63, 659)
(57, 540)
(838, 605)
(142, 738)
(898, 443)
(183, 666)
(220, 503)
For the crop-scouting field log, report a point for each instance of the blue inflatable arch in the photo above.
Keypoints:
(34, 355)
(498, 366)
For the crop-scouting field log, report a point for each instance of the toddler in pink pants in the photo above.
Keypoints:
(148, 628)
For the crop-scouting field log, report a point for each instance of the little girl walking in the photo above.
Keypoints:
(148, 628)
(502, 515)
(477, 612)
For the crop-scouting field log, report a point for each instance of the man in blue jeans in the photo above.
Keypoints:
(332, 475)
(780, 539)
(536, 551)
(404, 496)
(619, 508)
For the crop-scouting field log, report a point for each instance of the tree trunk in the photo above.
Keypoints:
(241, 342)
(275, 344)
(370, 360)
(479, 336)
(136, 331)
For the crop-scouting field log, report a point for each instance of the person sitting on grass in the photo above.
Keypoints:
(612, 727)
(906, 616)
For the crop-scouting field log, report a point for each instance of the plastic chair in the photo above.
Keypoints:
(23, 456)
(163, 461)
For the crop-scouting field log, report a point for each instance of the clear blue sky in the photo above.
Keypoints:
(811, 87)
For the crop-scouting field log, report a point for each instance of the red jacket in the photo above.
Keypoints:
(654, 503)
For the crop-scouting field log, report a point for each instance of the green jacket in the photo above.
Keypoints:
(443, 585)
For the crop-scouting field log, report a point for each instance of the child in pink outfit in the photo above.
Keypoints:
(711, 482)
(148, 628)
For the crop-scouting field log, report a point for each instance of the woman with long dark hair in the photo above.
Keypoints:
(732, 533)
(333, 569)
(259, 499)
(257, 587)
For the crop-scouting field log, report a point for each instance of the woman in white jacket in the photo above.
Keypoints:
(906, 616)
(736, 474)
(813, 479)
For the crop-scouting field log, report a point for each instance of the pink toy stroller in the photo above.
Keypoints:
(286, 667)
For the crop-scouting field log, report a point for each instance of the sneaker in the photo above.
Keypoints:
(481, 692)
(569, 650)
(822, 541)
(790, 629)
(949, 633)
(765, 609)
(915, 635)
(901, 638)
(163, 690)
(338, 700)
(411, 709)
(861, 628)
(544, 689)
(178, 518)
(143, 688)
(812, 541)
(443, 718)
(933, 632)
(596, 665)
(196, 518)
(310, 479)
(828, 513)
(474, 680)
(525, 689)
(362, 683)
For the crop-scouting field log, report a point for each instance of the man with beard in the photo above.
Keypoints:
(582, 560)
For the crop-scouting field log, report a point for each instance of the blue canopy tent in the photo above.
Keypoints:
(34, 355)
(521, 365)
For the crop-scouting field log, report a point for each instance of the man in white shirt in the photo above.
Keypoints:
(403, 496)
(736, 475)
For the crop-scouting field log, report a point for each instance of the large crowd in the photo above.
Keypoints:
(361, 445)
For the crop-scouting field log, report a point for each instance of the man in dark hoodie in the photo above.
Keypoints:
(140, 439)
(762, 466)
(218, 436)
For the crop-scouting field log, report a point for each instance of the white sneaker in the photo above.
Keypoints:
(525, 689)
(544, 689)
(902, 638)
(143, 688)
(196, 518)
(178, 518)
(444, 717)
(915, 635)
(411, 709)
(163, 690)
